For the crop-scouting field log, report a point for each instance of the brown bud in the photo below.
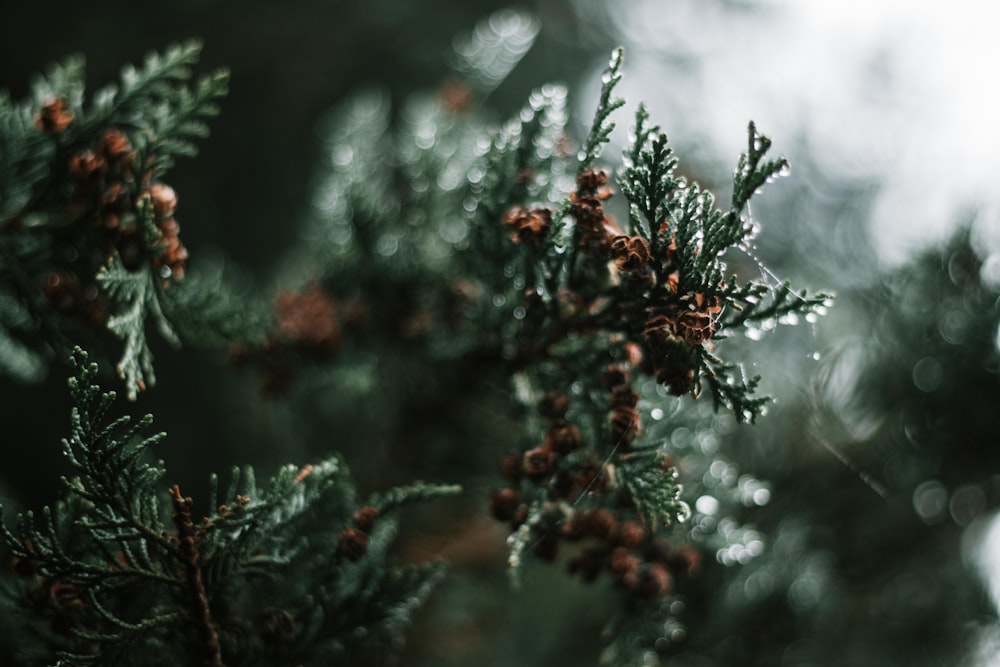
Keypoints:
(164, 200)
(563, 438)
(591, 180)
(539, 463)
(116, 148)
(625, 425)
(527, 226)
(54, 116)
(352, 545)
(83, 166)
(365, 518)
(631, 253)
(633, 354)
(623, 561)
(678, 378)
(504, 504)
(695, 327)
(632, 534)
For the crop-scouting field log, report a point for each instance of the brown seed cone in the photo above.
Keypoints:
(630, 253)
(504, 504)
(527, 226)
(352, 545)
(591, 180)
(365, 518)
(54, 116)
(539, 463)
(115, 147)
(563, 438)
(632, 534)
(164, 200)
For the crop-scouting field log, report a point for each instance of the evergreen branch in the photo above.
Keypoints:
(751, 174)
(781, 302)
(636, 631)
(141, 88)
(207, 310)
(190, 558)
(135, 294)
(654, 488)
(412, 493)
(176, 123)
(401, 592)
(107, 459)
(520, 540)
(602, 127)
(25, 158)
(61, 80)
(735, 393)
(648, 181)
(130, 631)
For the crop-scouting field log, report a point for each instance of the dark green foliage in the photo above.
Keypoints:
(602, 127)
(115, 576)
(447, 264)
(81, 188)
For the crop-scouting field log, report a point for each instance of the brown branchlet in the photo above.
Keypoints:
(54, 116)
(188, 540)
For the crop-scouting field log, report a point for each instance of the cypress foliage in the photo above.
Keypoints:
(455, 251)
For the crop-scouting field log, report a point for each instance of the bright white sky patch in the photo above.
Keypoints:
(901, 93)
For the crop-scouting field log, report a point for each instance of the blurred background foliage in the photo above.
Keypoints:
(856, 513)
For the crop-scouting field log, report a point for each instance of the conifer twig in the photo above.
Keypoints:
(188, 541)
